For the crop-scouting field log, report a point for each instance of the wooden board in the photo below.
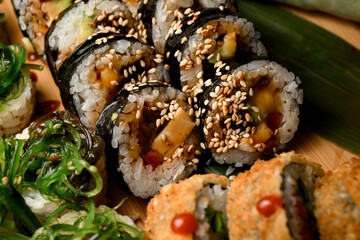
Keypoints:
(305, 142)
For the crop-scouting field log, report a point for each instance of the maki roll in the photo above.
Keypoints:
(274, 200)
(83, 19)
(251, 112)
(337, 197)
(191, 209)
(151, 137)
(98, 69)
(35, 17)
(161, 15)
(17, 91)
(208, 43)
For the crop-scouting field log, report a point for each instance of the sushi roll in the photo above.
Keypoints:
(251, 112)
(151, 137)
(160, 15)
(35, 17)
(274, 200)
(337, 197)
(81, 21)
(62, 161)
(207, 44)
(191, 209)
(98, 69)
(17, 91)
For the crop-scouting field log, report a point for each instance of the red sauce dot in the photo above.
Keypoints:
(269, 204)
(32, 56)
(184, 223)
(33, 77)
(153, 158)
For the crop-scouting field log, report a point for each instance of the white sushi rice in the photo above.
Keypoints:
(18, 112)
(89, 95)
(40, 206)
(214, 196)
(165, 14)
(142, 179)
(68, 33)
(191, 75)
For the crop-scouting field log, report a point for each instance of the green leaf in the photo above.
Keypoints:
(328, 66)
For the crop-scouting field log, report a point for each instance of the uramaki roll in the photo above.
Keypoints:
(274, 200)
(82, 20)
(251, 112)
(181, 211)
(337, 197)
(151, 135)
(208, 43)
(98, 69)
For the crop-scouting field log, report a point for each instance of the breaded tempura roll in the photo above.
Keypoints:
(337, 198)
(274, 200)
(191, 209)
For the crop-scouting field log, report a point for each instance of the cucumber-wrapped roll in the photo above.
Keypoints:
(206, 44)
(251, 112)
(274, 200)
(17, 91)
(35, 17)
(160, 15)
(151, 137)
(194, 208)
(97, 70)
(81, 21)
(75, 221)
(61, 161)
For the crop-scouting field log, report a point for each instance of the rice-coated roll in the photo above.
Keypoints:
(97, 70)
(251, 112)
(208, 43)
(151, 136)
(81, 21)
(186, 210)
(161, 15)
(17, 91)
(35, 17)
(337, 197)
(274, 200)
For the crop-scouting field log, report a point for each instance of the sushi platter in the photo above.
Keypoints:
(305, 141)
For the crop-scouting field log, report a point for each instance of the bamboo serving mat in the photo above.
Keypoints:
(305, 142)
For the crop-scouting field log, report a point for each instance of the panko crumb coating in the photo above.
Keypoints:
(338, 202)
(262, 180)
(173, 200)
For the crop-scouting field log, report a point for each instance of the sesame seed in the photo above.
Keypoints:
(138, 114)
(5, 180)
(251, 92)
(163, 137)
(176, 53)
(219, 150)
(154, 21)
(202, 145)
(152, 70)
(183, 40)
(276, 132)
(114, 83)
